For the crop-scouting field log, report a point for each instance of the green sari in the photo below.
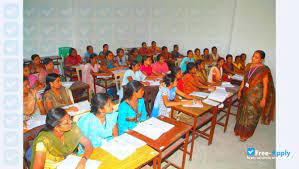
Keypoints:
(249, 110)
(55, 151)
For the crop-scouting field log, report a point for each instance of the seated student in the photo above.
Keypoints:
(89, 51)
(73, 59)
(92, 68)
(55, 95)
(160, 68)
(105, 50)
(177, 72)
(100, 124)
(33, 78)
(207, 57)
(197, 56)
(32, 104)
(202, 73)
(188, 59)
(191, 82)
(215, 54)
(215, 74)
(132, 108)
(166, 95)
(121, 58)
(147, 69)
(111, 63)
(228, 66)
(36, 65)
(144, 51)
(243, 61)
(154, 49)
(134, 73)
(57, 140)
(49, 69)
(133, 55)
(167, 56)
(238, 65)
(175, 53)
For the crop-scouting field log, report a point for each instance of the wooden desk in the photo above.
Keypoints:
(196, 113)
(170, 141)
(141, 157)
(80, 91)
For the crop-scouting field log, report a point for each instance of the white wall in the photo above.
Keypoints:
(233, 26)
(254, 28)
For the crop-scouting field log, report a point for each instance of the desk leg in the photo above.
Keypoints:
(228, 113)
(94, 85)
(155, 163)
(159, 160)
(214, 120)
(185, 149)
(193, 137)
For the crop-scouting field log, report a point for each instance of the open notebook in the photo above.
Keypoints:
(219, 95)
(83, 107)
(72, 161)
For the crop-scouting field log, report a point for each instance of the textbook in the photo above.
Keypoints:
(72, 161)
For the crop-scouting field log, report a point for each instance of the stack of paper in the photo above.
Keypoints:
(237, 77)
(123, 146)
(199, 94)
(67, 84)
(227, 84)
(72, 161)
(219, 94)
(36, 120)
(83, 107)
(196, 105)
(153, 128)
(210, 102)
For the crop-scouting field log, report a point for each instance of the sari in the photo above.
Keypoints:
(202, 74)
(57, 101)
(55, 151)
(249, 109)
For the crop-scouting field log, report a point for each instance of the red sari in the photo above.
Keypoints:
(249, 110)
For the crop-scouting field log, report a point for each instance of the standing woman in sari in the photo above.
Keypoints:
(255, 96)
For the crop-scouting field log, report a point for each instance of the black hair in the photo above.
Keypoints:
(105, 45)
(154, 42)
(159, 57)
(108, 52)
(219, 59)
(50, 78)
(89, 46)
(175, 70)
(214, 47)
(228, 56)
(71, 50)
(196, 50)
(243, 54)
(144, 59)
(25, 65)
(143, 43)
(238, 56)
(25, 78)
(198, 62)
(47, 61)
(98, 101)
(168, 79)
(53, 118)
(190, 66)
(262, 53)
(93, 55)
(132, 50)
(118, 50)
(206, 49)
(164, 47)
(34, 56)
(175, 46)
(189, 52)
(134, 63)
(131, 88)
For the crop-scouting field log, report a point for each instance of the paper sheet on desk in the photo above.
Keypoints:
(82, 106)
(219, 94)
(72, 161)
(237, 77)
(35, 121)
(153, 83)
(210, 102)
(194, 105)
(123, 146)
(200, 94)
(67, 84)
(153, 128)
(227, 84)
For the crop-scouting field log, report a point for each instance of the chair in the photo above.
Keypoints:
(27, 138)
(118, 77)
(63, 52)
